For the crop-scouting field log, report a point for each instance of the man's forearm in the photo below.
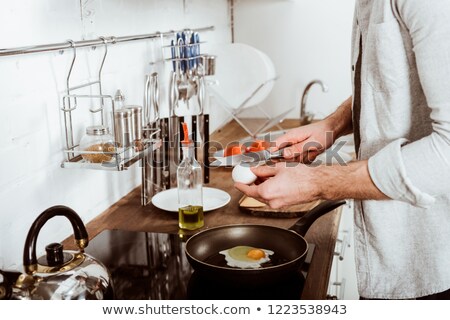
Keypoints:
(351, 181)
(340, 121)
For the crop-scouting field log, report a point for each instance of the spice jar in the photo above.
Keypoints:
(99, 140)
(122, 127)
(136, 126)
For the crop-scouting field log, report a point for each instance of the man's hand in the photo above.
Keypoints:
(288, 183)
(284, 184)
(306, 142)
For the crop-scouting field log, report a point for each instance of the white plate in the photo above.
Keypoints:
(212, 199)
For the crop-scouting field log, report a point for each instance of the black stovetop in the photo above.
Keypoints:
(154, 266)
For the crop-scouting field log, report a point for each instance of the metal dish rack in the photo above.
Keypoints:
(121, 158)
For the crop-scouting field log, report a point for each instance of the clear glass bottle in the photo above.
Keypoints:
(190, 190)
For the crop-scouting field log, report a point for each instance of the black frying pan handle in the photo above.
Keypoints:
(303, 224)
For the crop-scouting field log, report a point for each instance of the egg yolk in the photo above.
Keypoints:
(256, 254)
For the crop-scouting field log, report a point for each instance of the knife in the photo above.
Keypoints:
(248, 157)
(263, 155)
(174, 127)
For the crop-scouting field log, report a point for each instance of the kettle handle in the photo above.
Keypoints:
(79, 232)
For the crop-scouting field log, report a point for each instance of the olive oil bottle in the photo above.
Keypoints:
(190, 187)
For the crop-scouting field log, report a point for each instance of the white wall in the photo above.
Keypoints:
(306, 39)
(31, 89)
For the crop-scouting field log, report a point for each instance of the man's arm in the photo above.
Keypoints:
(341, 119)
(347, 182)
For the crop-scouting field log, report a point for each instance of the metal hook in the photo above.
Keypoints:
(105, 42)
(161, 38)
(73, 46)
(102, 101)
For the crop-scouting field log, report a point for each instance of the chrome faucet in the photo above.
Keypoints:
(307, 117)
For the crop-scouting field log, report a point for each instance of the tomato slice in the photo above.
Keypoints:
(257, 145)
(232, 151)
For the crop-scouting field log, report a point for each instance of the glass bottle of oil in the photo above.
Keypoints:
(190, 188)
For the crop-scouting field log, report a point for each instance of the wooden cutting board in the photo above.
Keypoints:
(256, 208)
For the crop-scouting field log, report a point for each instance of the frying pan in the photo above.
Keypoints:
(288, 244)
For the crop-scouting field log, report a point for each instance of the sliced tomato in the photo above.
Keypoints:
(257, 145)
(232, 151)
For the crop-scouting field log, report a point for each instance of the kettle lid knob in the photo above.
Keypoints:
(55, 254)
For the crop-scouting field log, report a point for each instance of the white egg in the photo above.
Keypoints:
(237, 257)
(242, 173)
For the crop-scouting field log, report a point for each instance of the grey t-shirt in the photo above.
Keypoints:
(403, 85)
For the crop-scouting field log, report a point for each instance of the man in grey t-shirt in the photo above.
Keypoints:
(400, 116)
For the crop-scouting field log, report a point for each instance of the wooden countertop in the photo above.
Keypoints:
(128, 214)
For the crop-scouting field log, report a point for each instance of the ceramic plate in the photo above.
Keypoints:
(212, 199)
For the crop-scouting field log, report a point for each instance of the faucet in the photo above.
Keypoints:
(306, 117)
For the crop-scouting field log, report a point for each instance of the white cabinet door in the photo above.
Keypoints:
(342, 284)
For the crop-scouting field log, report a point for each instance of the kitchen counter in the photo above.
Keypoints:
(128, 214)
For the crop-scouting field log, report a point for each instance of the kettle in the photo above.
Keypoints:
(61, 274)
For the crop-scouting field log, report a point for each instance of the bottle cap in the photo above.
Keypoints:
(185, 140)
(97, 130)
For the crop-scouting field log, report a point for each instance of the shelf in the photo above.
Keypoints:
(120, 160)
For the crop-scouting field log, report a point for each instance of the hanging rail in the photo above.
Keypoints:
(90, 43)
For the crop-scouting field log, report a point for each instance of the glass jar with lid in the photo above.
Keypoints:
(99, 140)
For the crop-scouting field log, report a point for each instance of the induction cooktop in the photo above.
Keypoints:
(154, 266)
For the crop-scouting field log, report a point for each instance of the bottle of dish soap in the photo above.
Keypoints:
(190, 187)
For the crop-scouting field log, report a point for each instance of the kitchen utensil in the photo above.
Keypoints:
(202, 118)
(249, 157)
(158, 154)
(259, 209)
(205, 141)
(151, 173)
(61, 274)
(212, 199)
(195, 50)
(174, 56)
(174, 132)
(225, 161)
(289, 247)
(262, 156)
(180, 47)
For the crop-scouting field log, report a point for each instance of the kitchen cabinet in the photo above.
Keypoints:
(342, 284)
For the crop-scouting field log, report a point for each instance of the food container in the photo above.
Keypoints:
(122, 127)
(136, 126)
(99, 140)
